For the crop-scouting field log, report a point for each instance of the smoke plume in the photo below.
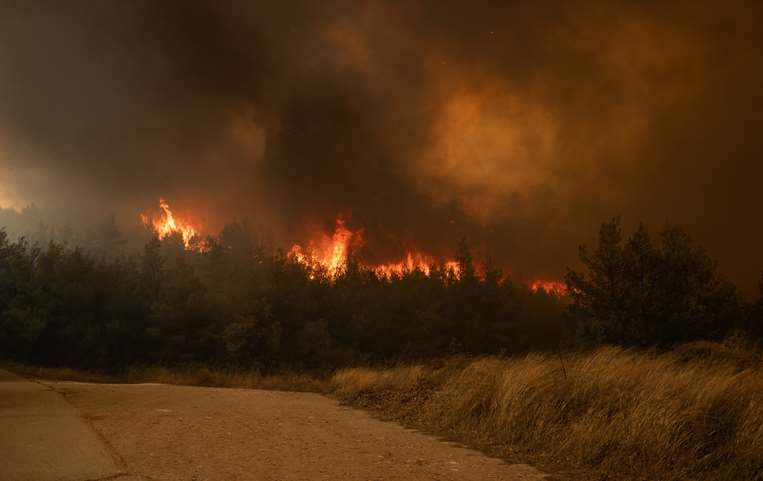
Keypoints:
(520, 125)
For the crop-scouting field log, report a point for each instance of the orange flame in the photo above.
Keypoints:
(168, 223)
(556, 288)
(414, 261)
(331, 254)
(411, 262)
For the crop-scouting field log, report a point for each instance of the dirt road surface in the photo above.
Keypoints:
(178, 433)
(42, 437)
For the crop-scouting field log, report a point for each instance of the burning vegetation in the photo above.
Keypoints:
(553, 287)
(167, 224)
(330, 253)
(333, 253)
(327, 253)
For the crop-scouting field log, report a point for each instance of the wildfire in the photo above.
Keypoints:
(168, 223)
(411, 262)
(331, 253)
(414, 261)
(556, 288)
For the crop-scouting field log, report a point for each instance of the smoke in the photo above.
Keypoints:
(521, 125)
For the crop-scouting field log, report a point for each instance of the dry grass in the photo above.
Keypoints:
(696, 413)
(693, 414)
(191, 376)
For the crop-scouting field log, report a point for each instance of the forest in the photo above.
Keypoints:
(237, 304)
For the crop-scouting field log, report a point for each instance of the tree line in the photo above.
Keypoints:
(238, 305)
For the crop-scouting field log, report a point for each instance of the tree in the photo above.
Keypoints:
(597, 295)
(465, 262)
(636, 293)
(105, 239)
(152, 268)
(232, 303)
(20, 324)
(240, 239)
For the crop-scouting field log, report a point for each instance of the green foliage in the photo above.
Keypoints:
(634, 292)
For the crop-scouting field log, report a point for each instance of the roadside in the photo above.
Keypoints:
(691, 413)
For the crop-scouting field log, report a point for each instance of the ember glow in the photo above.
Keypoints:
(167, 224)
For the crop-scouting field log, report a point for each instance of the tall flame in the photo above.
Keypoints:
(168, 223)
(330, 253)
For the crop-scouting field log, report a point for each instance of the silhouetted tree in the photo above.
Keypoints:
(233, 303)
(635, 293)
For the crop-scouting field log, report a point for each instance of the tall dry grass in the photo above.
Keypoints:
(695, 413)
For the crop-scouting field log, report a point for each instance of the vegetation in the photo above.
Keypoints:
(694, 413)
(236, 305)
(683, 406)
(636, 293)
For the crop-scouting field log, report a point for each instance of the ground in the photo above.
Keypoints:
(80, 431)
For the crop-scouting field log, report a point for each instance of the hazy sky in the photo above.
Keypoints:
(521, 125)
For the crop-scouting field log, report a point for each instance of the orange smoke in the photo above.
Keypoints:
(167, 224)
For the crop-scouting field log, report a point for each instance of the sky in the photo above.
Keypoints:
(519, 125)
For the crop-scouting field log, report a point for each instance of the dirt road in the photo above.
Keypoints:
(42, 437)
(176, 433)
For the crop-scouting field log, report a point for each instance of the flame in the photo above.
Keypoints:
(556, 288)
(411, 262)
(415, 261)
(331, 253)
(168, 223)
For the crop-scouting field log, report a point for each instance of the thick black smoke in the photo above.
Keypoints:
(521, 125)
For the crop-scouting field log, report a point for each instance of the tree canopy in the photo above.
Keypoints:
(238, 304)
(637, 292)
